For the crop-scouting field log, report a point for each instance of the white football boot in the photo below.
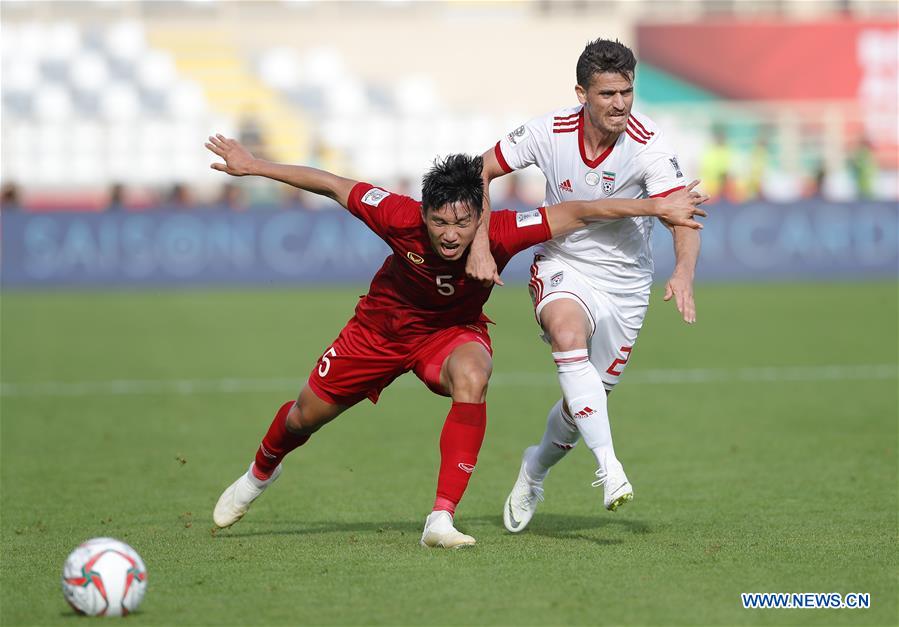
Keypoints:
(235, 500)
(522, 501)
(617, 489)
(440, 533)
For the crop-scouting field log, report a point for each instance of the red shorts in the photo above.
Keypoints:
(360, 363)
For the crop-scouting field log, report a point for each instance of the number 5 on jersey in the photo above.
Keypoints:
(444, 286)
(325, 364)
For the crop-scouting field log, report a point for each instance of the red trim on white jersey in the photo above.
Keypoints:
(635, 137)
(640, 127)
(669, 192)
(636, 131)
(500, 159)
(580, 144)
(566, 124)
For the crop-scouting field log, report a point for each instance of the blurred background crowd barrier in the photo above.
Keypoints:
(786, 109)
(754, 241)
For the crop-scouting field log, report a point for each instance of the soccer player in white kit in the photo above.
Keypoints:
(591, 288)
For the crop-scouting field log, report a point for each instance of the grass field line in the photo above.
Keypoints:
(768, 374)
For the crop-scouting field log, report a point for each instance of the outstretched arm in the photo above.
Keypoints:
(678, 209)
(240, 162)
(481, 265)
(680, 285)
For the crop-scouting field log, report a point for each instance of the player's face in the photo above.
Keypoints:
(451, 228)
(607, 101)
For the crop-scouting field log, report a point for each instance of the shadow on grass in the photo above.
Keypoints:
(569, 527)
(301, 528)
(556, 526)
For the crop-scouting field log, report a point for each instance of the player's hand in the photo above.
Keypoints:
(482, 267)
(238, 160)
(681, 289)
(680, 208)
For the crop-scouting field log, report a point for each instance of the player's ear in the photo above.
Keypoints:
(581, 93)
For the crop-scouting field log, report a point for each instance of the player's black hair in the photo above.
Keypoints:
(605, 55)
(454, 179)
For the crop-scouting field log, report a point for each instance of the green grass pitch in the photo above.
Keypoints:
(761, 443)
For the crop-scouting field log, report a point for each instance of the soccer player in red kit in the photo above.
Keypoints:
(421, 314)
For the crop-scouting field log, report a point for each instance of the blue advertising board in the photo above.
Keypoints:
(762, 241)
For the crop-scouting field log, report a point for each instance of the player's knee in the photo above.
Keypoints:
(469, 385)
(567, 338)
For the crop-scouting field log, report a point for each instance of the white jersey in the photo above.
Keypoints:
(613, 255)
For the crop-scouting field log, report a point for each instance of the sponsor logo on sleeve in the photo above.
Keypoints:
(518, 134)
(528, 218)
(674, 164)
(374, 196)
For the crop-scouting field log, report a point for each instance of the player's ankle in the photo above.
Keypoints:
(444, 504)
(259, 475)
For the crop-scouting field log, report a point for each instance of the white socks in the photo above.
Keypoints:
(560, 437)
(585, 395)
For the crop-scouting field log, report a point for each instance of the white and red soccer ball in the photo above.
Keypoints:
(104, 577)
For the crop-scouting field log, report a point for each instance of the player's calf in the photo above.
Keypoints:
(465, 373)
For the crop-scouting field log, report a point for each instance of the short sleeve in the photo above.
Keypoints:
(662, 173)
(381, 209)
(520, 148)
(512, 232)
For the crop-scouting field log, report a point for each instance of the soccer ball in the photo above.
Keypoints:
(104, 577)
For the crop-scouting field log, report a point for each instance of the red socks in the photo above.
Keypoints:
(460, 441)
(277, 443)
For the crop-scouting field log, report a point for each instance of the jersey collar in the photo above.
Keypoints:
(580, 142)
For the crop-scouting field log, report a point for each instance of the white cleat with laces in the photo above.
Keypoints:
(617, 489)
(237, 497)
(439, 532)
(522, 501)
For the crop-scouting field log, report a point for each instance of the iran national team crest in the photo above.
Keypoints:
(556, 278)
(608, 183)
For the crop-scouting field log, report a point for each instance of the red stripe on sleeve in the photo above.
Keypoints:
(634, 137)
(637, 131)
(670, 191)
(642, 128)
(501, 159)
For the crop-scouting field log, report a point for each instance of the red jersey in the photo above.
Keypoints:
(416, 290)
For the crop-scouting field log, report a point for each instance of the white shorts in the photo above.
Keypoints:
(616, 319)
